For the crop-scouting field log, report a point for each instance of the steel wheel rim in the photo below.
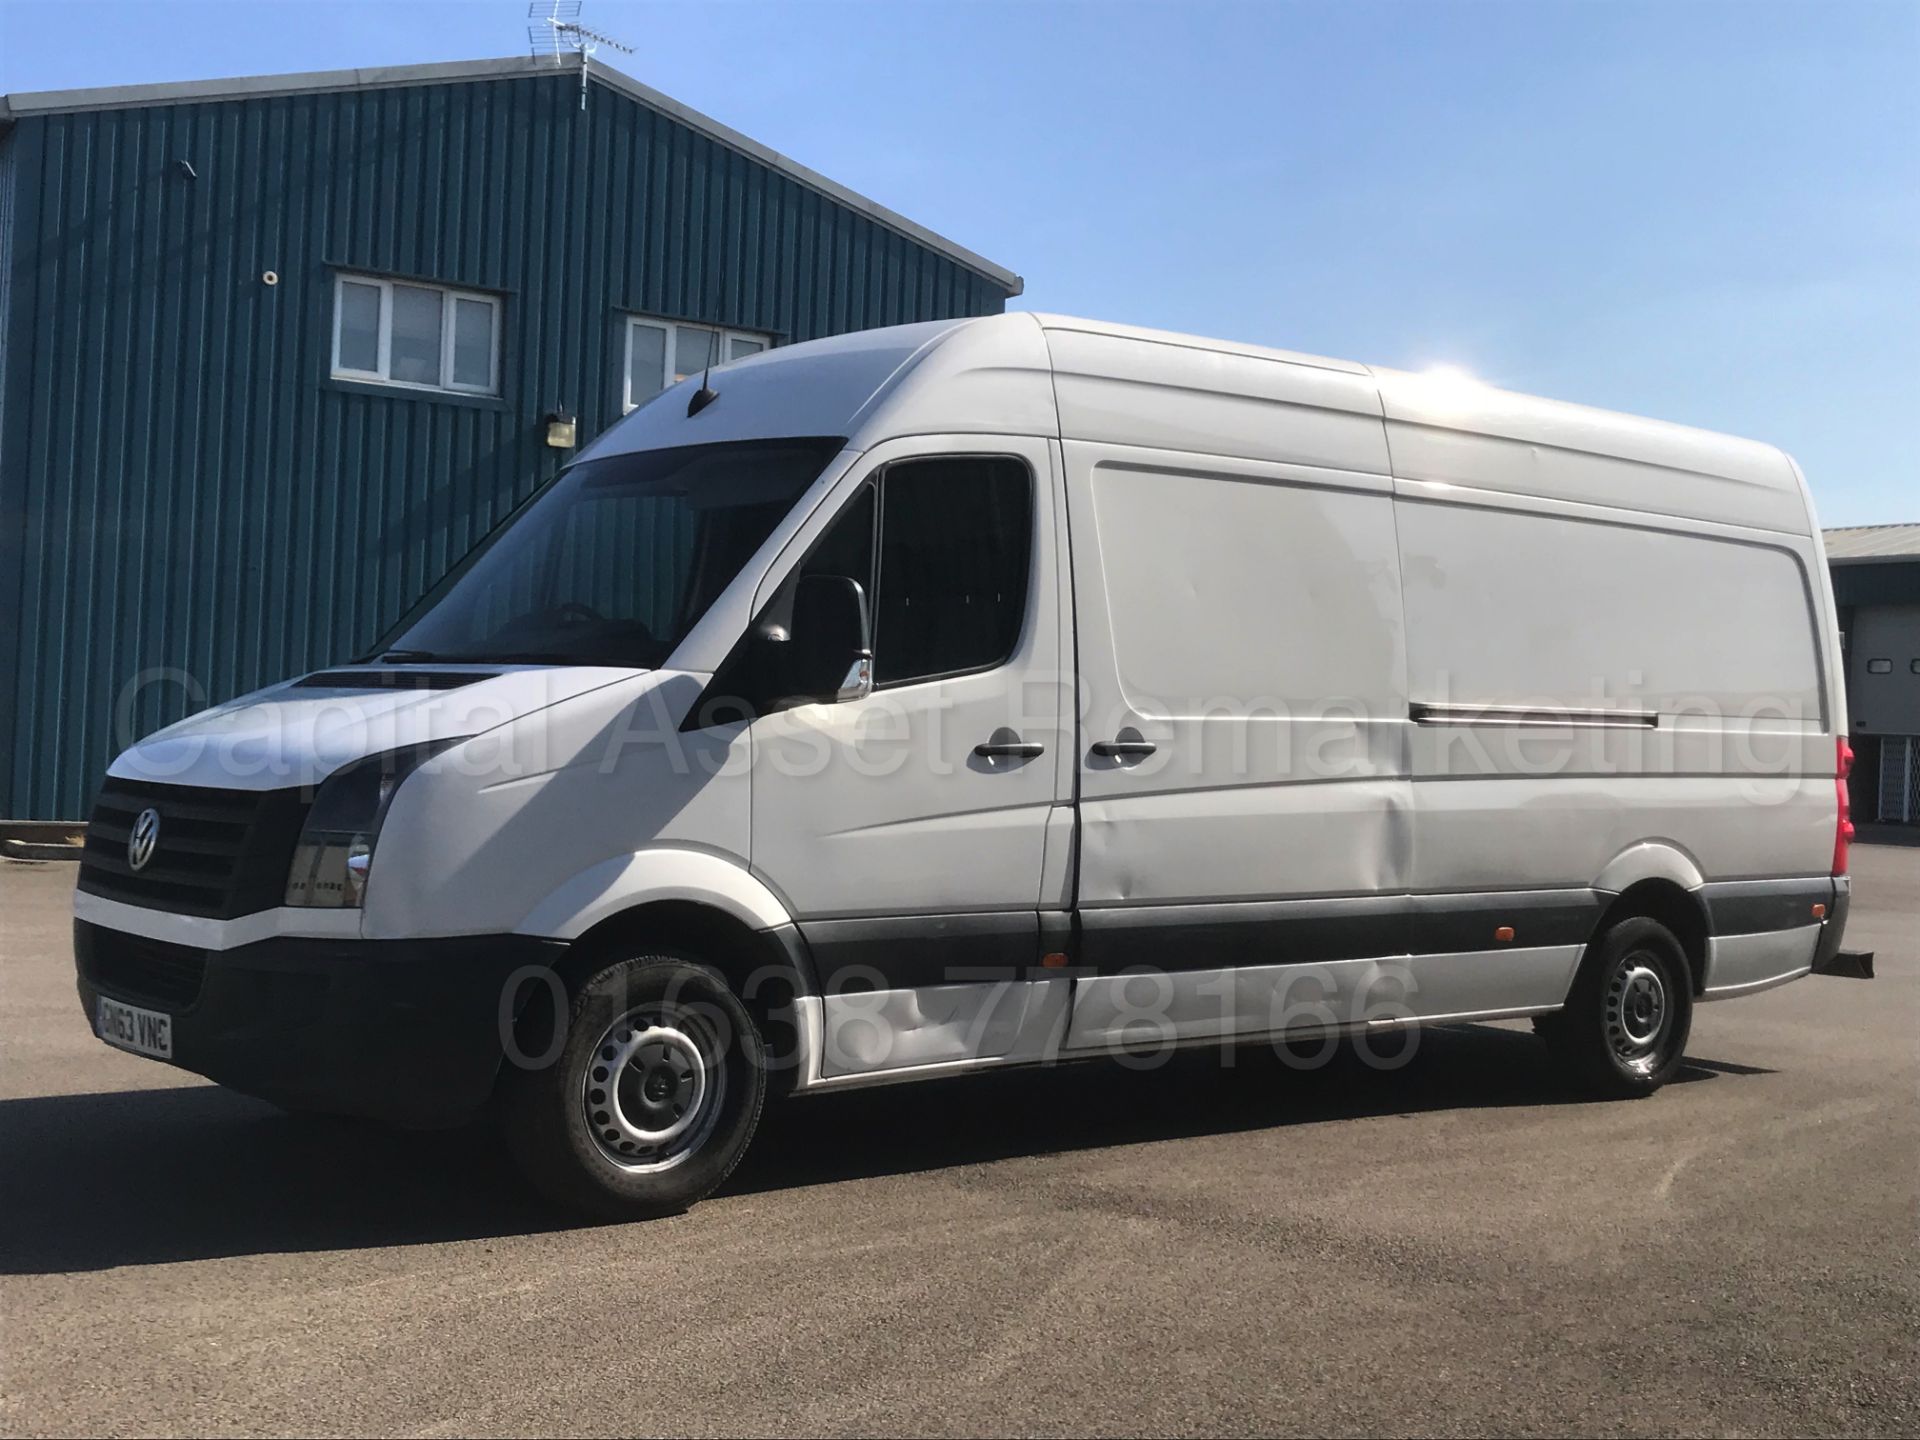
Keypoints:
(1639, 1012)
(652, 1091)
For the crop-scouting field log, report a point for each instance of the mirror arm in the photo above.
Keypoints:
(858, 683)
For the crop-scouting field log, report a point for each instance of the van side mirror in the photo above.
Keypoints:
(829, 643)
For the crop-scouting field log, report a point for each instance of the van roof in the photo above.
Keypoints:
(1455, 432)
(1036, 373)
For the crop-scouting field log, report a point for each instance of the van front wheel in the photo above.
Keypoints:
(652, 1099)
(1624, 1029)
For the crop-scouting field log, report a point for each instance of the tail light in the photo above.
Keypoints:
(1843, 816)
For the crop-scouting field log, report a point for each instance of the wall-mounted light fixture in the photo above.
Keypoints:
(560, 430)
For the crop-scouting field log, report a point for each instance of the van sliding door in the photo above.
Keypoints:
(1243, 792)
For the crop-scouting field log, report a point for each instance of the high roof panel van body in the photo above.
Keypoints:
(994, 692)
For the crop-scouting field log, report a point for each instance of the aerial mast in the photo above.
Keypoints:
(556, 28)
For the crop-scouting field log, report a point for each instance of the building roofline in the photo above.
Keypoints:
(1894, 544)
(387, 77)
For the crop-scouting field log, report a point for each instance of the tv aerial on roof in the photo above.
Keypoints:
(555, 29)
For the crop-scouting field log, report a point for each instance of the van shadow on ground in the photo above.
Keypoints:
(153, 1176)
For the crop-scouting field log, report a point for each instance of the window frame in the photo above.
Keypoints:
(875, 480)
(450, 296)
(726, 335)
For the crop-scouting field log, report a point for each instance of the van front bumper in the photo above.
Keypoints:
(407, 1031)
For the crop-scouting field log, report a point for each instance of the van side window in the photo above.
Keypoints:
(949, 591)
(956, 536)
(847, 548)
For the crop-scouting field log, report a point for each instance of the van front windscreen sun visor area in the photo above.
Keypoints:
(614, 560)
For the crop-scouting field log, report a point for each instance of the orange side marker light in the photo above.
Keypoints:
(1505, 932)
(1819, 912)
(1053, 960)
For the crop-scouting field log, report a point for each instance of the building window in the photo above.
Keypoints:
(392, 332)
(661, 352)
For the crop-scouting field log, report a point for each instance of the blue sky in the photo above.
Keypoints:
(1704, 212)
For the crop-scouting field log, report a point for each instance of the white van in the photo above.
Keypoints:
(993, 692)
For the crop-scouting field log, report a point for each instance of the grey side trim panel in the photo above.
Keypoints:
(1835, 929)
(1156, 1008)
(941, 1025)
(786, 941)
(1743, 964)
(1177, 938)
(1750, 907)
(910, 952)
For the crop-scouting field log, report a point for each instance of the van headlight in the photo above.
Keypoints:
(334, 855)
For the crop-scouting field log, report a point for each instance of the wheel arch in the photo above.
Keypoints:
(751, 959)
(665, 873)
(1674, 906)
(1660, 880)
(686, 901)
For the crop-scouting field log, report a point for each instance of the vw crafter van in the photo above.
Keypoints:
(992, 692)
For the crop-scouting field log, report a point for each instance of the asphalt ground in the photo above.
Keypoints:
(1455, 1246)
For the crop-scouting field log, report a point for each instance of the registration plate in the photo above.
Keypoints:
(144, 1032)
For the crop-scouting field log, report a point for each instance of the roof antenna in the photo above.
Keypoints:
(558, 23)
(704, 396)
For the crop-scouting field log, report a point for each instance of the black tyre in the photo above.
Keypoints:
(653, 1098)
(1624, 1030)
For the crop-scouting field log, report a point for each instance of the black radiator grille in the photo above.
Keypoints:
(220, 853)
(136, 968)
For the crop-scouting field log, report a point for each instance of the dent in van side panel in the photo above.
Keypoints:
(881, 1030)
(1243, 619)
(1058, 859)
(1251, 842)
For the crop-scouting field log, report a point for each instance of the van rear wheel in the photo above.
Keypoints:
(1624, 1029)
(653, 1098)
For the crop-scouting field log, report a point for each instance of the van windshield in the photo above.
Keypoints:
(614, 560)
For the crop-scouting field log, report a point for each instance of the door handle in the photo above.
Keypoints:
(1111, 749)
(1014, 749)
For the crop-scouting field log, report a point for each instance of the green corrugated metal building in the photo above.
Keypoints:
(275, 352)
